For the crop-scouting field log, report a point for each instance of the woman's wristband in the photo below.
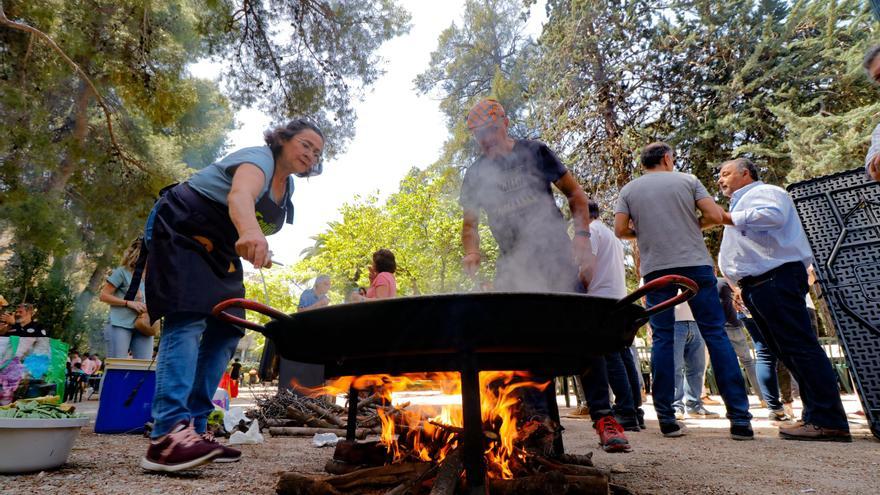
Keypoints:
(125, 302)
(472, 252)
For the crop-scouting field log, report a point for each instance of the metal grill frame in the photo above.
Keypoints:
(841, 217)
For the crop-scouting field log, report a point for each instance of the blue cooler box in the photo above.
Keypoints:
(121, 378)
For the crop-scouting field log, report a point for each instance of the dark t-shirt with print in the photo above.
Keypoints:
(32, 329)
(532, 235)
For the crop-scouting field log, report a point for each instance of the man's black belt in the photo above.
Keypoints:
(755, 280)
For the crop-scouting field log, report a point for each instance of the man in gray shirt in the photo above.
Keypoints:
(659, 211)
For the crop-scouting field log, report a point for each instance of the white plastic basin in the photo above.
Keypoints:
(28, 445)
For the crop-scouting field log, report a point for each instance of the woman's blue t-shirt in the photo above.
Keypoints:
(215, 180)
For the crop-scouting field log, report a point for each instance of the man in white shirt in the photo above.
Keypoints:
(609, 280)
(765, 251)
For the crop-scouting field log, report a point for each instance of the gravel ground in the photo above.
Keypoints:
(705, 461)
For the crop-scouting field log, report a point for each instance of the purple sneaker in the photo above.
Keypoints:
(229, 454)
(181, 449)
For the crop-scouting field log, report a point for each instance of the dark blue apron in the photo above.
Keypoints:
(191, 263)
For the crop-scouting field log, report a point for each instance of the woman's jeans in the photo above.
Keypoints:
(706, 308)
(690, 366)
(193, 354)
(120, 340)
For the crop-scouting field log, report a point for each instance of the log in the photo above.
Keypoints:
(390, 475)
(275, 422)
(291, 483)
(449, 474)
(552, 483)
(307, 431)
(361, 453)
(332, 466)
(324, 414)
(307, 419)
(578, 459)
(368, 402)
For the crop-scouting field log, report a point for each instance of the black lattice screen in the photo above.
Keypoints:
(841, 216)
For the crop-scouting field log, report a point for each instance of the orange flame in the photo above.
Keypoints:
(421, 426)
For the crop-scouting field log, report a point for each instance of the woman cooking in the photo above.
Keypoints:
(195, 237)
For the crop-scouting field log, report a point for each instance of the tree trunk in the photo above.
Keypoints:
(84, 299)
(58, 181)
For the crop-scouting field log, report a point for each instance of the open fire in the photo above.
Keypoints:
(429, 433)
(426, 447)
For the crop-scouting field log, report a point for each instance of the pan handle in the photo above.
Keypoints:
(688, 286)
(220, 313)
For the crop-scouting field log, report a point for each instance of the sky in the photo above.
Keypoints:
(396, 129)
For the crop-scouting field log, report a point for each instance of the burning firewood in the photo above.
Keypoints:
(449, 474)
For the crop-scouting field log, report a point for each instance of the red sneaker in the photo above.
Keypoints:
(181, 449)
(229, 454)
(611, 436)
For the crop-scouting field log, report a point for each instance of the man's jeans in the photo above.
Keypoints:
(706, 308)
(737, 337)
(595, 383)
(777, 306)
(690, 362)
(623, 377)
(193, 353)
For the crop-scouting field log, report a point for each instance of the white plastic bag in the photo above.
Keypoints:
(233, 416)
(325, 440)
(253, 435)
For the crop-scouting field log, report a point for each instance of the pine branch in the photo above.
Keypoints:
(5, 21)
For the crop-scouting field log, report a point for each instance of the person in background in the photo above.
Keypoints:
(25, 325)
(609, 280)
(872, 158)
(354, 295)
(690, 366)
(511, 182)
(89, 365)
(659, 211)
(73, 357)
(235, 371)
(120, 333)
(737, 336)
(316, 297)
(383, 285)
(7, 319)
(765, 251)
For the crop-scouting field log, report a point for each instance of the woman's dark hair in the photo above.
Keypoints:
(275, 139)
(653, 153)
(383, 259)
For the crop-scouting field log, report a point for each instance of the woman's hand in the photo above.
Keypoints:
(253, 246)
(136, 306)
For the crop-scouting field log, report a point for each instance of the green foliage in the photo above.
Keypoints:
(303, 58)
(74, 193)
(421, 224)
(487, 56)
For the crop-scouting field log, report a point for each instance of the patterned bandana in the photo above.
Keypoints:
(486, 112)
